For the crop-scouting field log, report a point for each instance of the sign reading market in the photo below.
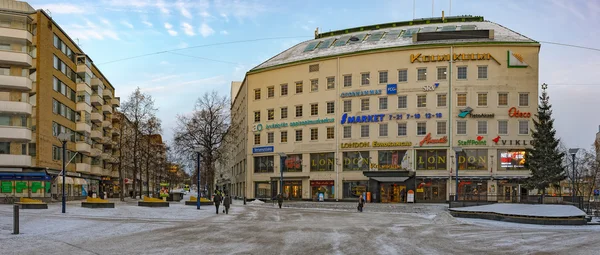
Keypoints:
(300, 123)
(420, 58)
(381, 117)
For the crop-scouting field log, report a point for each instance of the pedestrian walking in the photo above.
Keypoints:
(227, 203)
(279, 200)
(217, 200)
(361, 203)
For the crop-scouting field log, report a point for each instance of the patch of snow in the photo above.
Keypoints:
(526, 210)
(256, 202)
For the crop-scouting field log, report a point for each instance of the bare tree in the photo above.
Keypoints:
(205, 130)
(123, 149)
(151, 127)
(138, 108)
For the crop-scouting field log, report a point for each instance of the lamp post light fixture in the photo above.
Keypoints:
(573, 152)
(282, 157)
(198, 173)
(63, 138)
(457, 150)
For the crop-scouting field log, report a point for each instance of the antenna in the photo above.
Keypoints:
(432, 5)
(450, 12)
(413, 9)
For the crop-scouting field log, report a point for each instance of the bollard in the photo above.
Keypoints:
(15, 219)
(244, 200)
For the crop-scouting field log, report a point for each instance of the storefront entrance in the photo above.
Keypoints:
(292, 190)
(325, 187)
(392, 193)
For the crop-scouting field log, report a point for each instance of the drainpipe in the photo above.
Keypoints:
(337, 134)
(450, 114)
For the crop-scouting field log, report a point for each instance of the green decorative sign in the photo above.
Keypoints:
(35, 186)
(300, 123)
(6, 187)
(20, 186)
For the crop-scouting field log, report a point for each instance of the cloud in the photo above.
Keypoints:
(225, 17)
(62, 8)
(162, 7)
(127, 24)
(188, 29)
(569, 7)
(169, 28)
(147, 23)
(241, 9)
(165, 63)
(90, 24)
(205, 14)
(105, 21)
(183, 10)
(182, 45)
(182, 86)
(206, 30)
(224, 32)
(172, 32)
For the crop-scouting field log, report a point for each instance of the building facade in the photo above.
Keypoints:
(49, 86)
(393, 110)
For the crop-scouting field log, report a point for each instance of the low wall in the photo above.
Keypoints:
(579, 220)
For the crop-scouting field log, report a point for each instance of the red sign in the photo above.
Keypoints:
(321, 183)
(428, 140)
(513, 112)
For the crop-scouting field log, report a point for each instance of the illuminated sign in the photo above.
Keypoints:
(362, 118)
(470, 142)
(446, 57)
(431, 88)
(431, 160)
(262, 149)
(375, 144)
(392, 89)
(497, 141)
(515, 113)
(388, 167)
(469, 112)
(298, 123)
(361, 93)
(429, 140)
(473, 159)
(512, 159)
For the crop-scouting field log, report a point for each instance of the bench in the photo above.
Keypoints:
(28, 203)
(153, 202)
(203, 201)
(91, 202)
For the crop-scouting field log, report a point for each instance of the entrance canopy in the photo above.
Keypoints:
(390, 179)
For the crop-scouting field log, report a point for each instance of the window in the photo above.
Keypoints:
(421, 74)
(298, 110)
(270, 137)
(314, 85)
(264, 164)
(284, 112)
(421, 100)
(271, 92)
(355, 161)
(348, 80)
(256, 138)
(256, 94)
(511, 159)
(383, 103)
(313, 68)
(383, 129)
(257, 116)
(330, 133)
(364, 131)
(462, 73)
(461, 99)
(55, 107)
(330, 107)
(270, 114)
(364, 104)
(347, 105)
(503, 127)
(299, 87)
(482, 127)
(523, 127)
(523, 99)
(401, 129)
(365, 79)
(322, 161)
(473, 159)
(461, 127)
(402, 102)
(502, 99)
(347, 131)
(482, 99)
(283, 136)
(441, 127)
(314, 109)
(383, 77)
(330, 82)
(441, 73)
(402, 75)
(442, 100)
(299, 135)
(284, 89)
(293, 163)
(421, 128)
(314, 134)
(482, 72)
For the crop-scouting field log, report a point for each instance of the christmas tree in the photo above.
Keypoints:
(544, 160)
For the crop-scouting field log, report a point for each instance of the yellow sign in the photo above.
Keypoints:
(456, 57)
(375, 144)
(356, 145)
(388, 167)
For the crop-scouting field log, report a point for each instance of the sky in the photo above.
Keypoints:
(237, 35)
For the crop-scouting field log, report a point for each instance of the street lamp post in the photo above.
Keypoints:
(573, 152)
(282, 157)
(64, 137)
(457, 150)
(198, 173)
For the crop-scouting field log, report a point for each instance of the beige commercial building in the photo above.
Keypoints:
(382, 108)
(48, 86)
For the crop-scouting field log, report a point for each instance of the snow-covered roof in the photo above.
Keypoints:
(390, 37)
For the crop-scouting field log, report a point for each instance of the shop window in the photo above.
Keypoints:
(473, 159)
(292, 189)
(263, 164)
(431, 160)
(355, 160)
(429, 190)
(262, 190)
(354, 189)
(293, 163)
(322, 162)
(322, 187)
(511, 159)
(391, 160)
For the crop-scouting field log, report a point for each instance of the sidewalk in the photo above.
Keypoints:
(369, 207)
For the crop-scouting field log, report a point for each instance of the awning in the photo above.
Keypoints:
(79, 181)
(390, 179)
(68, 180)
(33, 176)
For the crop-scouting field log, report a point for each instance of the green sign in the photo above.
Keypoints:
(6, 187)
(20, 186)
(300, 123)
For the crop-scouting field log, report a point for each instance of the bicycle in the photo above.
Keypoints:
(9, 200)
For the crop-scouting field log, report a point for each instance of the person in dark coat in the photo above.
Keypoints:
(361, 203)
(227, 203)
(279, 200)
(217, 200)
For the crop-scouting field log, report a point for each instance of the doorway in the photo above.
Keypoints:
(392, 193)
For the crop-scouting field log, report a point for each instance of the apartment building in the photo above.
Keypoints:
(395, 110)
(49, 86)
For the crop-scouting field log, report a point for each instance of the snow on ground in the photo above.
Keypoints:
(526, 210)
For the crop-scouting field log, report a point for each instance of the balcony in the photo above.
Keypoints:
(11, 160)
(96, 135)
(97, 100)
(82, 106)
(114, 174)
(83, 127)
(116, 102)
(83, 68)
(16, 33)
(95, 152)
(83, 167)
(107, 124)
(106, 140)
(105, 156)
(15, 83)
(97, 82)
(82, 87)
(16, 58)
(83, 147)
(106, 172)
(96, 170)
(97, 117)
(107, 108)
(107, 94)
(116, 132)
(15, 107)
(10, 133)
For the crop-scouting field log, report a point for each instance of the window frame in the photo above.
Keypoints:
(458, 94)
(458, 126)
(384, 73)
(363, 129)
(527, 101)
(270, 114)
(314, 85)
(503, 93)
(330, 133)
(330, 107)
(419, 101)
(404, 126)
(403, 73)
(438, 127)
(479, 76)
(298, 135)
(283, 110)
(405, 97)
(380, 103)
(383, 130)
(363, 104)
(524, 121)
(314, 134)
(299, 87)
(479, 127)
(500, 129)
(422, 74)
(444, 73)
(349, 105)
(301, 112)
(283, 87)
(283, 138)
(271, 92)
(347, 80)
(347, 135)
(314, 109)
(365, 79)
(445, 95)
(479, 99)
(330, 81)
(257, 94)
(458, 68)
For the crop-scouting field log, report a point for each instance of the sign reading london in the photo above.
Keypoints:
(456, 57)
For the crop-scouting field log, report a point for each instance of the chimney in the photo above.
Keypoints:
(442, 16)
(316, 33)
